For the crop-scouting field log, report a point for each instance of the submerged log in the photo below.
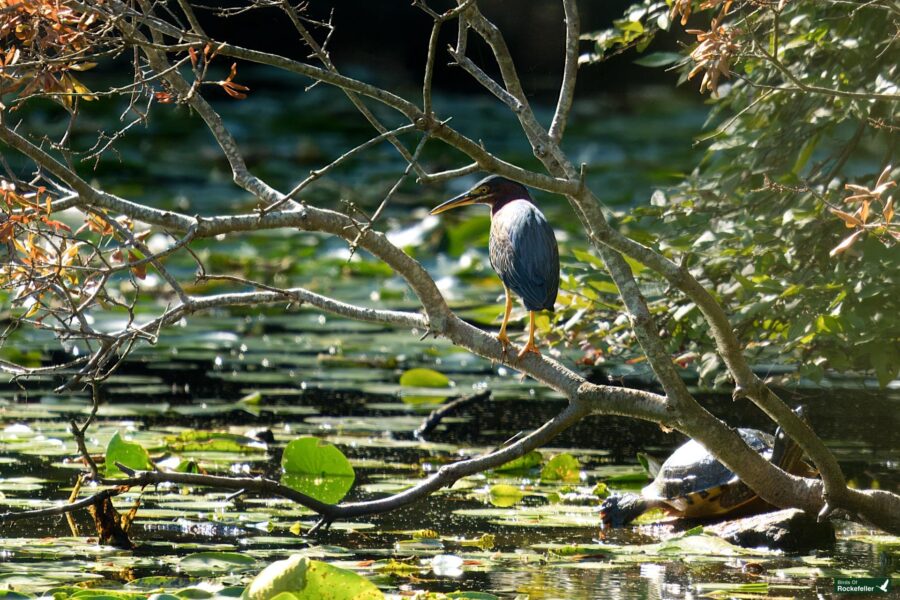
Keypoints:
(790, 530)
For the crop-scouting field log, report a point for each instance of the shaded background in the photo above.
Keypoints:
(389, 38)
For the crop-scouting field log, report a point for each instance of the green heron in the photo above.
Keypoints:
(522, 248)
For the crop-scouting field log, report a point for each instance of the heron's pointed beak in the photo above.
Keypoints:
(463, 199)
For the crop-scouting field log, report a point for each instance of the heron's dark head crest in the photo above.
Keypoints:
(493, 190)
(501, 189)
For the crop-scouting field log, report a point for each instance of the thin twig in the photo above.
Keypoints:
(437, 415)
(61, 509)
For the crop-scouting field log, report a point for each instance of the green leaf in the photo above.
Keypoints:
(578, 550)
(428, 378)
(318, 469)
(604, 287)
(562, 467)
(252, 399)
(100, 594)
(299, 578)
(207, 563)
(658, 59)
(601, 490)
(631, 26)
(627, 478)
(504, 495)
(397, 567)
(654, 515)
(187, 466)
(471, 232)
(423, 378)
(693, 544)
(683, 311)
(587, 257)
(730, 590)
(523, 463)
(886, 367)
(130, 454)
(213, 441)
(805, 154)
(649, 463)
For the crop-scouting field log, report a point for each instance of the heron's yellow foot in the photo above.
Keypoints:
(529, 347)
(504, 340)
(502, 337)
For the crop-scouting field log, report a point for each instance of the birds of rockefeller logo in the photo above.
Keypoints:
(863, 585)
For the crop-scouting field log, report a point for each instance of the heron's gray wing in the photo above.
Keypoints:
(524, 253)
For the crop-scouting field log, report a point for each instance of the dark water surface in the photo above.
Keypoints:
(195, 377)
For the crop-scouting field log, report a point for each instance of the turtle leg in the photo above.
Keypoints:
(530, 346)
(617, 511)
(502, 337)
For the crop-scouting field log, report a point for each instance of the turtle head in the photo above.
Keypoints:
(617, 511)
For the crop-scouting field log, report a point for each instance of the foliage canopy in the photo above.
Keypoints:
(788, 216)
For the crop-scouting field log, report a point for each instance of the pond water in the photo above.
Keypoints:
(294, 372)
(546, 545)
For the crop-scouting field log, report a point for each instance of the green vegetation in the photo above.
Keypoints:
(788, 216)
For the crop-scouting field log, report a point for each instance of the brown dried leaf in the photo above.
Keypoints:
(6, 232)
(846, 243)
(883, 187)
(140, 271)
(164, 97)
(882, 179)
(57, 225)
(849, 220)
(232, 73)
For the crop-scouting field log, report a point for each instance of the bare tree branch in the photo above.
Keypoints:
(570, 72)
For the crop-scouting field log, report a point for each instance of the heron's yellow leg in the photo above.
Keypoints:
(504, 339)
(530, 346)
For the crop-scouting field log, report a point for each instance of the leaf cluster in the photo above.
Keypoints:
(803, 113)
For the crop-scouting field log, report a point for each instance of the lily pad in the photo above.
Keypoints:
(503, 495)
(318, 469)
(300, 578)
(213, 441)
(523, 463)
(427, 378)
(562, 467)
(130, 454)
(205, 563)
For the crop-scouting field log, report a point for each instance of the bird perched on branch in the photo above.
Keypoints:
(522, 248)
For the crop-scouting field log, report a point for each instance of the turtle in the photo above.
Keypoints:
(692, 484)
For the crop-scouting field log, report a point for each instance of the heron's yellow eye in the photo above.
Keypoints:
(482, 190)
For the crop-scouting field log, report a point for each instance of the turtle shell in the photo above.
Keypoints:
(695, 484)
